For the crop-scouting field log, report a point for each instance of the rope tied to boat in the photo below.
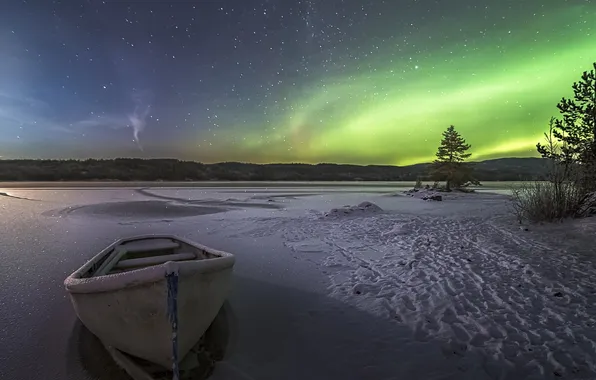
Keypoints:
(172, 282)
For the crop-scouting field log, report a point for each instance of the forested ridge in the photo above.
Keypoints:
(131, 169)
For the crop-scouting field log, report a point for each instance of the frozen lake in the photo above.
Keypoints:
(420, 290)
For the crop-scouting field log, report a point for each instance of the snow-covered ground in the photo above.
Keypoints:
(396, 288)
(508, 303)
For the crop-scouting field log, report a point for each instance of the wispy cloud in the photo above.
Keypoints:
(137, 120)
(11, 100)
(102, 121)
(18, 111)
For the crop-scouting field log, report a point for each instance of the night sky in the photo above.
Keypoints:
(368, 82)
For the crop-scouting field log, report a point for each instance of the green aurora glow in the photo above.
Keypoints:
(499, 91)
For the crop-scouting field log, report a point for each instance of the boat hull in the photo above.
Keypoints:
(129, 311)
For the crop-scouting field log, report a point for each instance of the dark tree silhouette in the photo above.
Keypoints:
(576, 130)
(449, 165)
(131, 169)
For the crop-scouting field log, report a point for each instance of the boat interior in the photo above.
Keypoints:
(141, 253)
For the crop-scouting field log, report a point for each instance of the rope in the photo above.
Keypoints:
(172, 280)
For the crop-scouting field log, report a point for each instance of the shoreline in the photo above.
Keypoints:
(224, 184)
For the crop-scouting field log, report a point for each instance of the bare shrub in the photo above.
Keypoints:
(546, 201)
(559, 196)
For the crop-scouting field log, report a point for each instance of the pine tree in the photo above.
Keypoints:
(418, 184)
(449, 165)
(576, 131)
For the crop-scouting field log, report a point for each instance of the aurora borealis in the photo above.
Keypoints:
(372, 82)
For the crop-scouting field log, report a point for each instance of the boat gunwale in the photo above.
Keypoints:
(76, 283)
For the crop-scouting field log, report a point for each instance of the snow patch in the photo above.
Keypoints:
(485, 289)
(364, 208)
(504, 302)
(425, 194)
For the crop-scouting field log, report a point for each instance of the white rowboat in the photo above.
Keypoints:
(123, 294)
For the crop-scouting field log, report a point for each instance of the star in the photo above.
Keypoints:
(287, 81)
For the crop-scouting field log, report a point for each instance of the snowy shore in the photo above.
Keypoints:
(329, 284)
(505, 302)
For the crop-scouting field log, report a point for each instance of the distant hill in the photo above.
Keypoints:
(132, 169)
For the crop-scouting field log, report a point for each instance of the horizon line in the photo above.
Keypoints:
(240, 162)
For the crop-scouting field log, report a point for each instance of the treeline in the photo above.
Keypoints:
(130, 169)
